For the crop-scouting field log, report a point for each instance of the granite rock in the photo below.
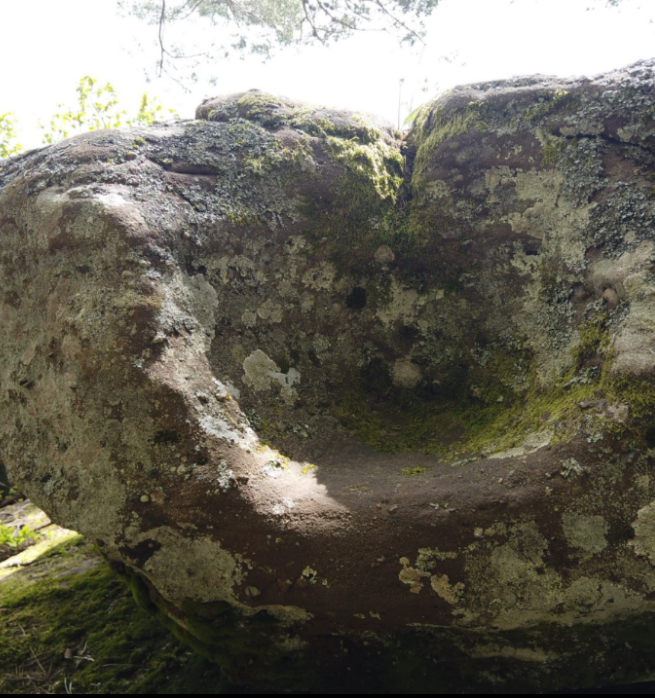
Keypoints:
(347, 409)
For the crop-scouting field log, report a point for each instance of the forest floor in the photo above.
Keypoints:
(69, 624)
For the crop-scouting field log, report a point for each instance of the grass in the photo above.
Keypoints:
(70, 625)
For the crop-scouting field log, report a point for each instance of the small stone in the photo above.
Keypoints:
(145, 498)
(611, 297)
(384, 255)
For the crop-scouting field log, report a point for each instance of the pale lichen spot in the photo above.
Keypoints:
(270, 312)
(320, 278)
(404, 305)
(249, 318)
(585, 532)
(643, 482)
(384, 255)
(411, 576)
(405, 374)
(644, 528)
(447, 591)
(261, 373)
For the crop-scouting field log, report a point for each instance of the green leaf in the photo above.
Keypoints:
(413, 115)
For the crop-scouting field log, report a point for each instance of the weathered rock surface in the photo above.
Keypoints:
(348, 411)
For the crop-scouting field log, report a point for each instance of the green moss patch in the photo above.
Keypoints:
(70, 624)
(435, 124)
(412, 423)
(545, 105)
(12, 541)
(478, 410)
(22, 525)
(359, 215)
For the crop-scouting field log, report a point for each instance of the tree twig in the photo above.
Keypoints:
(162, 20)
(351, 27)
(396, 20)
(36, 659)
(309, 19)
(192, 5)
(174, 79)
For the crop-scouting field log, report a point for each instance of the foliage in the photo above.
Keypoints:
(6, 490)
(8, 143)
(261, 25)
(98, 107)
(17, 539)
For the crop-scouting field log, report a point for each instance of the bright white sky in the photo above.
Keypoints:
(46, 46)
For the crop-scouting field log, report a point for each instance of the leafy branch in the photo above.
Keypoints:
(98, 108)
(262, 25)
(9, 144)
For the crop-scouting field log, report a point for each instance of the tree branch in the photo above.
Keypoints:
(162, 19)
(396, 20)
(236, 8)
(192, 5)
(336, 19)
(310, 21)
(174, 79)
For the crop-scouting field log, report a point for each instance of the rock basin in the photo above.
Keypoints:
(351, 411)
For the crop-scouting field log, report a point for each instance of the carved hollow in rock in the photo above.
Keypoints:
(332, 400)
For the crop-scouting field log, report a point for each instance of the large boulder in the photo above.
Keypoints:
(348, 412)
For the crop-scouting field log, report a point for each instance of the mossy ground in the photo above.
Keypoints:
(68, 602)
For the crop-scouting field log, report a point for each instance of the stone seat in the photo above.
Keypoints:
(352, 410)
